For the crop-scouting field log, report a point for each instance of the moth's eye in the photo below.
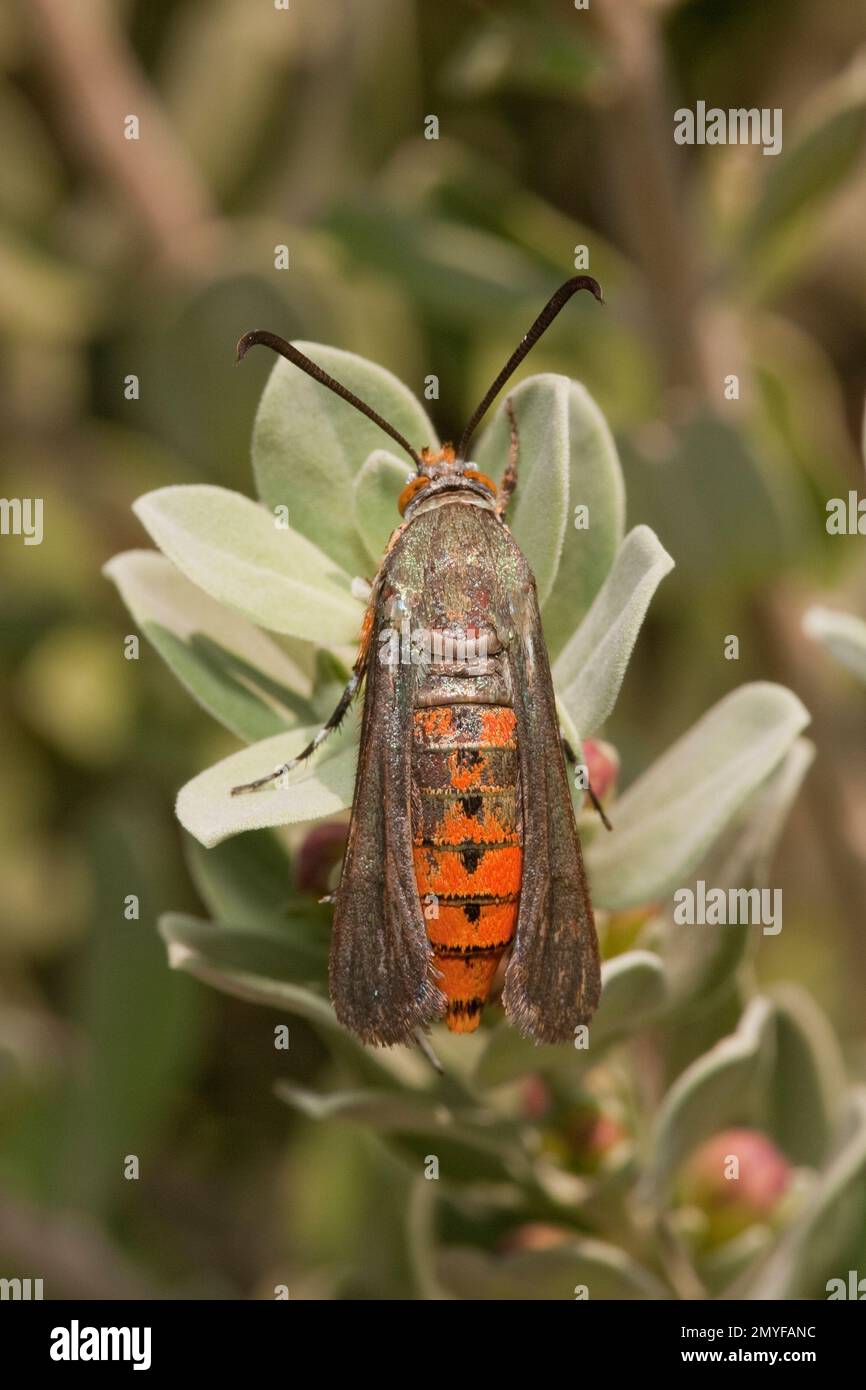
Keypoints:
(411, 490)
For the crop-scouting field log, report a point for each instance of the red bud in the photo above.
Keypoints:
(602, 765)
(737, 1178)
(320, 850)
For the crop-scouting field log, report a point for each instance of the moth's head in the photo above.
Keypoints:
(441, 471)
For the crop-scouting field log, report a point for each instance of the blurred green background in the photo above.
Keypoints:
(306, 128)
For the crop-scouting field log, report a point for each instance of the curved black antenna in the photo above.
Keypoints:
(544, 320)
(294, 355)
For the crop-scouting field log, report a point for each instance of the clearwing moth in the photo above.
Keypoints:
(462, 842)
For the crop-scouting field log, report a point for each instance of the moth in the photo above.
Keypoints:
(462, 843)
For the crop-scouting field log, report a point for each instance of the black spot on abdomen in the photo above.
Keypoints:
(471, 857)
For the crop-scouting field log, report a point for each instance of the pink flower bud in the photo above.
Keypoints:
(591, 1133)
(583, 1137)
(602, 765)
(535, 1098)
(737, 1178)
(320, 850)
(535, 1235)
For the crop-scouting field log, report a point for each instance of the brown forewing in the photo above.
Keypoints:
(553, 981)
(381, 983)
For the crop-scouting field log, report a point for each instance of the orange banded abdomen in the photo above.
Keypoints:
(467, 837)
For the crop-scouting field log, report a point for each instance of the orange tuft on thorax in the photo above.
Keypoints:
(411, 490)
(438, 464)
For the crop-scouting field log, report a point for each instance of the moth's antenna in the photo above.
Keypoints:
(294, 355)
(544, 320)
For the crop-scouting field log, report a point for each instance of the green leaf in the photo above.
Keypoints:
(377, 487)
(454, 273)
(421, 1243)
(507, 1056)
(842, 634)
(589, 671)
(700, 958)
(469, 1144)
(667, 820)
(142, 1029)
(308, 445)
(595, 481)
(320, 787)
(724, 1087)
(725, 1262)
(383, 1111)
(212, 954)
(538, 511)
(633, 990)
(231, 548)
(808, 1077)
(567, 457)
(215, 654)
(810, 168)
(532, 52)
(261, 968)
(714, 502)
(250, 960)
(245, 881)
(604, 1270)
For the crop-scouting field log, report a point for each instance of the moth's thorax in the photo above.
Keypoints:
(444, 476)
(446, 495)
(453, 574)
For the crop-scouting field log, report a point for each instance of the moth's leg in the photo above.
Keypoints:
(571, 757)
(333, 723)
(339, 713)
(509, 478)
(424, 1045)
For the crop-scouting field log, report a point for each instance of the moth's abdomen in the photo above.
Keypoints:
(467, 844)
